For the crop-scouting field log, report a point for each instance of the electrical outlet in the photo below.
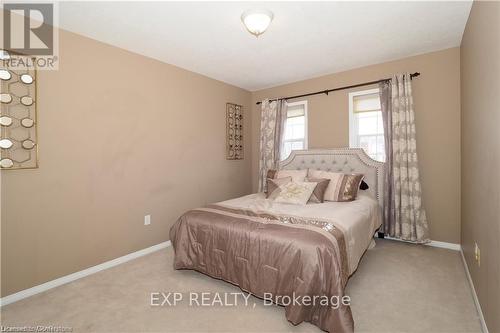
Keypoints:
(147, 220)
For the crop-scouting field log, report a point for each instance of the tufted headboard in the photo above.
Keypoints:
(345, 160)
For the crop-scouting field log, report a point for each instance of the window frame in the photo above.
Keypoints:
(353, 130)
(306, 132)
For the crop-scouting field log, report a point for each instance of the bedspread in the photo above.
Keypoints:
(265, 253)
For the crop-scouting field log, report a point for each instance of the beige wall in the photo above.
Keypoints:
(437, 104)
(121, 136)
(480, 68)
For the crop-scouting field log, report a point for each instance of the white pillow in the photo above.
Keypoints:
(297, 175)
(335, 179)
(295, 193)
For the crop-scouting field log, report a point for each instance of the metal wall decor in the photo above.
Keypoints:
(234, 131)
(18, 118)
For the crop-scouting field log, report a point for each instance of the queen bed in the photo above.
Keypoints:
(270, 248)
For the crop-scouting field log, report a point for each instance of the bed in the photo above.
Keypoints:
(301, 252)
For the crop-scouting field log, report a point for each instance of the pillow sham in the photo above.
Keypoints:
(295, 193)
(318, 195)
(342, 187)
(298, 176)
(273, 186)
(350, 186)
(334, 180)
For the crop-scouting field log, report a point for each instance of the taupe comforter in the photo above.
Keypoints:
(266, 253)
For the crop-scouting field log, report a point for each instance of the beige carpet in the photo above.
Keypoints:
(397, 288)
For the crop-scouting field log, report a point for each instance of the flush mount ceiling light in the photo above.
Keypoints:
(257, 21)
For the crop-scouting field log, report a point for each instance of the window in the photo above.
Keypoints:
(366, 129)
(295, 136)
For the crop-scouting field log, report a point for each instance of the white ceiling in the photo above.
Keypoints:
(305, 39)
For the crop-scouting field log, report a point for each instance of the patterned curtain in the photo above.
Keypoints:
(272, 127)
(404, 214)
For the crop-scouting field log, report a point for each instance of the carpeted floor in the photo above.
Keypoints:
(398, 288)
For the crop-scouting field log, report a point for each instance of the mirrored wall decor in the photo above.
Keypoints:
(4, 55)
(5, 143)
(27, 78)
(27, 122)
(5, 74)
(5, 121)
(234, 131)
(28, 144)
(18, 118)
(6, 163)
(26, 100)
(5, 98)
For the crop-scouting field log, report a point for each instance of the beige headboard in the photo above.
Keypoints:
(345, 160)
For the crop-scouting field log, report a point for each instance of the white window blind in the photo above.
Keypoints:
(366, 103)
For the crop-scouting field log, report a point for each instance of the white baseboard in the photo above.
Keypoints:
(484, 328)
(443, 245)
(78, 275)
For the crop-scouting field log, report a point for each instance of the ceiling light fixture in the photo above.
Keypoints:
(256, 21)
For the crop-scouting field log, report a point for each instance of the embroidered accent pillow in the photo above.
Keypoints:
(318, 195)
(295, 193)
(298, 176)
(342, 187)
(273, 186)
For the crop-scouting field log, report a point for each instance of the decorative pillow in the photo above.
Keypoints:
(295, 193)
(334, 179)
(298, 176)
(350, 186)
(318, 195)
(363, 186)
(273, 186)
(271, 173)
(342, 187)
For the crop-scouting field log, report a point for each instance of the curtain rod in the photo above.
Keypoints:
(341, 88)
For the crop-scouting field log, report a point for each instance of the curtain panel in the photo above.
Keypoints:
(404, 214)
(272, 127)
